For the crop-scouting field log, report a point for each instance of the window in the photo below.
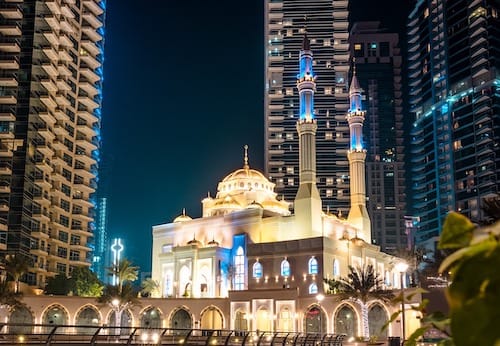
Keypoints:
(313, 288)
(290, 170)
(75, 240)
(166, 248)
(336, 268)
(329, 181)
(239, 269)
(63, 236)
(62, 252)
(290, 181)
(74, 255)
(61, 268)
(65, 205)
(64, 220)
(329, 193)
(257, 270)
(313, 266)
(285, 268)
(328, 136)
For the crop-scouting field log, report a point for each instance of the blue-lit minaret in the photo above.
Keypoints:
(307, 201)
(358, 214)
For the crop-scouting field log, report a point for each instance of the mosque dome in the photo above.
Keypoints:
(183, 217)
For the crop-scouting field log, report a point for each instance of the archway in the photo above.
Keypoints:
(185, 281)
(263, 320)
(151, 318)
(181, 319)
(211, 318)
(346, 321)
(21, 315)
(315, 320)
(240, 321)
(55, 315)
(88, 316)
(285, 320)
(125, 321)
(377, 317)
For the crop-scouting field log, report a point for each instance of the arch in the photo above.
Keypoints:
(55, 314)
(151, 317)
(263, 320)
(185, 281)
(285, 320)
(181, 319)
(285, 268)
(313, 288)
(204, 281)
(126, 321)
(212, 318)
(315, 320)
(377, 316)
(257, 270)
(88, 315)
(313, 265)
(346, 321)
(240, 320)
(21, 315)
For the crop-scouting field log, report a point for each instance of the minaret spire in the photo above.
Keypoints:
(358, 214)
(307, 201)
(245, 158)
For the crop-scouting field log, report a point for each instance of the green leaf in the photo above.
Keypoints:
(457, 232)
(412, 340)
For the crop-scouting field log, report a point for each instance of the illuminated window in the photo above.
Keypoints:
(328, 91)
(290, 182)
(313, 288)
(329, 193)
(289, 91)
(336, 268)
(328, 136)
(313, 266)
(357, 46)
(257, 270)
(329, 181)
(289, 135)
(290, 170)
(239, 270)
(457, 144)
(285, 268)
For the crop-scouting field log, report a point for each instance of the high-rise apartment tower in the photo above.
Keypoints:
(377, 61)
(51, 55)
(454, 87)
(325, 22)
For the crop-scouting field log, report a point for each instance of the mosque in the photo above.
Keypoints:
(267, 262)
(249, 263)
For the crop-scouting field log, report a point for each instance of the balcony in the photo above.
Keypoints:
(88, 116)
(53, 22)
(9, 47)
(92, 19)
(50, 69)
(50, 52)
(62, 85)
(90, 47)
(49, 85)
(4, 186)
(91, 33)
(88, 160)
(88, 102)
(90, 61)
(66, 11)
(51, 37)
(4, 205)
(53, 6)
(8, 82)
(5, 168)
(10, 30)
(63, 70)
(66, 26)
(48, 101)
(65, 41)
(86, 130)
(93, 6)
(11, 13)
(8, 100)
(88, 88)
(64, 55)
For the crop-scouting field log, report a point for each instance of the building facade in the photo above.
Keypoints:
(377, 61)
(100, 253)
(453, 74)
(250, 249)
(50, 96)
(326, 23)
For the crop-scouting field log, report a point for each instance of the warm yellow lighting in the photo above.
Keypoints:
(402, 267)
(115, 302)
(20, 338)
(320, 297)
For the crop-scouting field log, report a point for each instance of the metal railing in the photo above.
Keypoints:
(43, 334)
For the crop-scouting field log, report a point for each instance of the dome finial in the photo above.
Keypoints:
(183, 211)
(246, 166)
(354, 66)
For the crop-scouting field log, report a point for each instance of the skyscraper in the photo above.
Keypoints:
(377, 61)
(50, 97)
(454, 86)
(326, 24)
(100, 246)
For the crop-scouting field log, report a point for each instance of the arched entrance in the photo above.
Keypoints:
(125, 321)
(315, 320)
(377, 317)
(240, 321)
(55, 315)
(181, 319)
(151, 318)
(88, 316)
(346, 321)
(211, 318)
(21, 315)
(285, 320)
(263, 320)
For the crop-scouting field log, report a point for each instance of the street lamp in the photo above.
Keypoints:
(320, 298)
(402, 267)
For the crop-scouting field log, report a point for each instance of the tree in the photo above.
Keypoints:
(491, 208)
(9, 298)
(149, 287)
(60, 285)
(361, 285)
(16, 266)
(86, 282)
(121, 296)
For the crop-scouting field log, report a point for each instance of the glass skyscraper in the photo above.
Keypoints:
(51, 55)
(454, 96)
(326, 24)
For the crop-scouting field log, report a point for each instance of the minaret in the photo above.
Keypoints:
(307, 201)
(358, 214)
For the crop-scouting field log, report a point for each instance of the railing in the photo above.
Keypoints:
(38, 334)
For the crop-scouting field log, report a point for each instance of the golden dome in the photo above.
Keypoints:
(183, 217)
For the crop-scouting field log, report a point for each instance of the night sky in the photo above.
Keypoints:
(183, 92)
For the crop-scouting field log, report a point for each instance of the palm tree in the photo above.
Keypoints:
(16, 266)
(121, 296)
(123, 271)
(8, 298)
(361, 285)
(149, 287)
